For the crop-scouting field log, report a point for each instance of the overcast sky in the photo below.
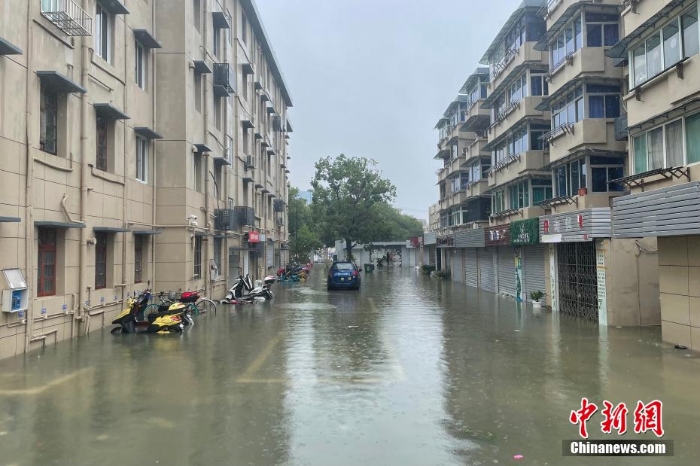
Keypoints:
(370, 78)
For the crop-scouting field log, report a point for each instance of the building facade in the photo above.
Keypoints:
(144, 142)
(659, 49)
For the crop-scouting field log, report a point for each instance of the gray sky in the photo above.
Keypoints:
(370, 78)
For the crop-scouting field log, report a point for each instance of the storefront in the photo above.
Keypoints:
(470, 242)
(579, 242)
(501, 265)
(530, 257)
(429, 248)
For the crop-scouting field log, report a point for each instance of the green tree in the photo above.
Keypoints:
(303, 242)
(302, 236)
(346, 192)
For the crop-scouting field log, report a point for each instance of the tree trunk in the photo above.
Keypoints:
(348, 248)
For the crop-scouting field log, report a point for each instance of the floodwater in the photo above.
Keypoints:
(408, 371)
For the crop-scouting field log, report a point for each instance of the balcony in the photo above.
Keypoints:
(476, 149)
(513, 59)
(525, 108)
(67, 16)
(476, 118)
(592, 133)
(224, 80)
(477, 188)
(585, 61)
(516, 166)
(225, 219)
(621, 128)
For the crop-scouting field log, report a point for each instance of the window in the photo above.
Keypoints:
(49, 120)
(219, 181)
(655, 145)
(517, 90)
(197, 256)
(570, 177)
(567, 42)
(197, 17)
(198, 173)
(539, 85)
(217, 113)
(692, 138)
(666, 47)
(103, 33)
(640, 154)
(604, 170)
(603, 101)
(245, 141)
(518, 142)
(218, 242)
(102, 137)
(498, 202)
(244, 29)
(198, 92)
(541, 190)
(141, 65)
(101, 261)
(519, 195)
(138, 258)
(602, 29)
(217, 42)
(537, 139)
(141, 159)
(569, 110)
(46, 279)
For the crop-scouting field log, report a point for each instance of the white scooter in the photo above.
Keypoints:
(262, 292)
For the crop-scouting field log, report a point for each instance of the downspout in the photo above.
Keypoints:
(82, 279)
(155, 114)
(125, 196)
(29, 212)
(205, 250)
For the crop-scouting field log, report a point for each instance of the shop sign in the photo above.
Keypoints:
(446, 242)
(525, 232)
(571, 227)
(415, 241)
(497, 236)
(253, 237)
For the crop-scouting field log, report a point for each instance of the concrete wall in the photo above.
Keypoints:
(679, 282)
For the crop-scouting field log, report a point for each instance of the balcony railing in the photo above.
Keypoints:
(497, 68)
(621, 129)
(67, 16)
(245, 215)
(225, 219)
(224, 79)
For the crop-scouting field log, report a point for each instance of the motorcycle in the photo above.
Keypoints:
(133, 318)
(237, 293)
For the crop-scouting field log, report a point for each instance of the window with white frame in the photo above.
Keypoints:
(569, 40)
(602, 29)
(568, 110)
(570, 177)
(498, 201)
(677, 39)
(603, 100)
(538, 84)
(517, 143)
(103, 33)
(518, 90)
(541, 190)
(604, 170)
(674, 144)
(519, 195)
(142, 159)
(141, 65)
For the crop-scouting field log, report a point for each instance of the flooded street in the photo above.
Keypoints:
(409, 371)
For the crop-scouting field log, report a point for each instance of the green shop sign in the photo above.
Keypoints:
(525, 231)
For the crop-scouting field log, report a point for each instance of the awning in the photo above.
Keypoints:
(51, 224)
(146, 232)
(620, 49)
(247, 68)
(109, 111)
(109, 230)
(554, 30)
(247, 124)
(59, 83)
(201, 233)
(289, 126)
(270, 109)
(116, 7)
(247, 179)
(201, 67)
(146, 132)
(10, 219)
(8, 48)
(202, 148)
(221, 20)
(146, 39)
(481, 72)
(258, 186)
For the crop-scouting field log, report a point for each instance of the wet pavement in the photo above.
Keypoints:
(408, 371)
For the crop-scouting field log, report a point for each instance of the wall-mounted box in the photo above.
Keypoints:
(16, 298)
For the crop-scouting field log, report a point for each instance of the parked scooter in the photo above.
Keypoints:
(133, 319)
(242, 291)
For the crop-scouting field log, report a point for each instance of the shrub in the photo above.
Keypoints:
(536, 295)
(427, 269)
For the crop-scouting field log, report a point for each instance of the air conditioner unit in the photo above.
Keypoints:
(250, 161)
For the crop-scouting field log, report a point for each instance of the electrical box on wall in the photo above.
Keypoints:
(16, 298)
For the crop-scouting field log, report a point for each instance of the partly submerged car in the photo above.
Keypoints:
(344, 275)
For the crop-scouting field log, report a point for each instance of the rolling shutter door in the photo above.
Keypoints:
(458, 265)
(472, 268)
(533, 269)
(487, 277)
(506, 271)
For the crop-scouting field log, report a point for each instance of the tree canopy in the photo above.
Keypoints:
(350, 198)
(303, 237)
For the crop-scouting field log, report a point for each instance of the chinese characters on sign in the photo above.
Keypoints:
(647, 417)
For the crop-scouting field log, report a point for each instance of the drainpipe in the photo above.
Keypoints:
(29, 193)
(125, 189)
(205, 161)
(154, 119)
(82, 279)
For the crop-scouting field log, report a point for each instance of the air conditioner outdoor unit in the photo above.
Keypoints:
(250, 161)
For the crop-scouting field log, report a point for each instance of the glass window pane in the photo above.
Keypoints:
(640, 154)
(600, 180)
(569, 40)
(571, 113)
(674, 144)
(654, 61)
(692, 137)
(640, 65)
(561, 181)
(575, 181)
(595, 35)
(596, 106)
(612, 106)
(611, 33)
(672, 44)
(615, 173)
(584, 174)
(691, 45)
(578, 33)
(655, 145)
(579, 109)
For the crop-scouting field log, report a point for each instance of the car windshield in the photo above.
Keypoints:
(344, 267)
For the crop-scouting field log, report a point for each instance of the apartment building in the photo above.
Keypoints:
(590, 274)
(145, 146)
(659, 47)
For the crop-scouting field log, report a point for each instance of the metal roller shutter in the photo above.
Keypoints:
(472, 268)
(506, 271)
(487, 277)
(534, 269)
(457, 265)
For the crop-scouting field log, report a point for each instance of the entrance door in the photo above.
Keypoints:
(246, 263)
(578, 280)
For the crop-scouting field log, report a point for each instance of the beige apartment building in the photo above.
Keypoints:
(659, 46)
(591, 276)
(144, 145)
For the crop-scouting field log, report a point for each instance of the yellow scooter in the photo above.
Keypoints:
(133, 319)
